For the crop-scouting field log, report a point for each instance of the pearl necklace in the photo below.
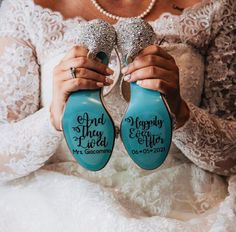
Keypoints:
(101, 10)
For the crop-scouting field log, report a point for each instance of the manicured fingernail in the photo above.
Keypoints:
(139, 82)
(109, 71)
(127, 77)
(100, 84)
(124, 70)
(108, 80)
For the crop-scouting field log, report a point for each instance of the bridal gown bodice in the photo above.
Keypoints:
(200, 40)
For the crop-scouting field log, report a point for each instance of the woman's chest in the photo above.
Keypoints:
(51, 34)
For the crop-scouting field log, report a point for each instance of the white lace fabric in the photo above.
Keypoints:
(33, 38)
(207, 139)
(27, 138)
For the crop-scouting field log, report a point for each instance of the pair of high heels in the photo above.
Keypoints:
(146, 128)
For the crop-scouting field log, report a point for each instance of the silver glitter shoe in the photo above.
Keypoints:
(146, 129)
(133, 35)
(87, 126)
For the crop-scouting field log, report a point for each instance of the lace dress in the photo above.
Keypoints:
(44, 189)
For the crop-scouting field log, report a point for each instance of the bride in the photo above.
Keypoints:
(42, 186)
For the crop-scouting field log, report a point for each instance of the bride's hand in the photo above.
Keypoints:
(90, 74)
(155, 69)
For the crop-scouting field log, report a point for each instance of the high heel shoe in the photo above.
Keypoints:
(146, 128)
(87, 126)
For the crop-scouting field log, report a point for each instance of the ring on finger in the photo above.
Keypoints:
(73, 72)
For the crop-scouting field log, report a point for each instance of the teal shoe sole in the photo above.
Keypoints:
(88, 128)
(146, 128)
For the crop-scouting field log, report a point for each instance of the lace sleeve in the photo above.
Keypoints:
(27, 138)
(208, 137)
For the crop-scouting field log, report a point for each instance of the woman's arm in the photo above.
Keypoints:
(27, 135)
(208, 141)
(27, 138)
(209, 136)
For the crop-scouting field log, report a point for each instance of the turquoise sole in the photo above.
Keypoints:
(88, 128)
(146, 128)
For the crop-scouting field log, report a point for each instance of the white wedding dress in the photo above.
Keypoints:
(44, 189)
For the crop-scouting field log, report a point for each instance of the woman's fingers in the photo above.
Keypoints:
(83, 73)
(152, 72)
(162, 86)
(155, 50)
(77, 57)
(76, 51)
(85, 68)
(80, 83)
(84, 62)
(150, 60)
